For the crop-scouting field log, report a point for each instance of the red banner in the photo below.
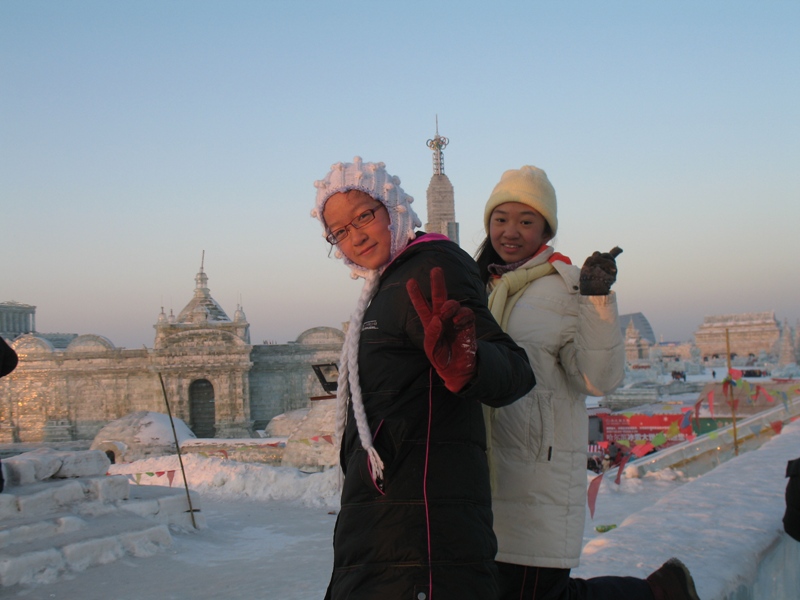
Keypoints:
(633, 427)
(591, 493)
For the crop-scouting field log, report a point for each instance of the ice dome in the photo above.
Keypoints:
(140, 435)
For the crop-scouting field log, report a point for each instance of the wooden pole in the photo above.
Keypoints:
(730, 393)
(178, 448)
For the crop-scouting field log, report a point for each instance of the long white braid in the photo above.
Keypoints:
(349, 385)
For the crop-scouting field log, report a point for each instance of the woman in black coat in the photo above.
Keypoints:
(421, 354)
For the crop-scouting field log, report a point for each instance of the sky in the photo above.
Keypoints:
(269, 529)
(136, 136)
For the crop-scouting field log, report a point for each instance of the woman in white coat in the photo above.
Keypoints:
(566, 320)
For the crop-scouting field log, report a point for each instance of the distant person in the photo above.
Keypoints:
(421, 353)
(8, 362)
(567, 321)
(606, 462)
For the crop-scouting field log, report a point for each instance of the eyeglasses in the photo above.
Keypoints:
(365, 218)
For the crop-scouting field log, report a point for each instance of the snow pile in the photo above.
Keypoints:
(285, 424)
(235, 480)
(44, 463)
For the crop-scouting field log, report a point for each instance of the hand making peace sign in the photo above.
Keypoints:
(450, 339)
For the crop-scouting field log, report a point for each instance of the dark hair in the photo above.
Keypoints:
(486, 255)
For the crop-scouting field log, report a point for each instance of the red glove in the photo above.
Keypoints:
(450, 340)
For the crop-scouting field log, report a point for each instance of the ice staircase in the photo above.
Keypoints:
(76, 518)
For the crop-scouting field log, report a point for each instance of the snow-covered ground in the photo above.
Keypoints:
(269, 529)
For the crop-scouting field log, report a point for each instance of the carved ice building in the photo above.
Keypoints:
(16, 319)
(638, 336)
(637, 347)
(750, 334)
(440, 196)
(215, 379)
(788, 349)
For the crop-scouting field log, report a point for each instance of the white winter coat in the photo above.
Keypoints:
(539, 443)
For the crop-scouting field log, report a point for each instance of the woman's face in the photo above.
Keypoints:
(517, 231)
(369, 246)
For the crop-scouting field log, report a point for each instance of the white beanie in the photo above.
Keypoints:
(527, 185)
(372, 179)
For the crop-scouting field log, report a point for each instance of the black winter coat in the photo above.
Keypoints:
(432, 522)
(8, 358)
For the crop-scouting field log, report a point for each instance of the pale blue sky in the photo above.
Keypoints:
(135, 135)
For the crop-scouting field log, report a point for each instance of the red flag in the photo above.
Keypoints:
(622, 464)
(328, 438)
(777, 426)
(170, 477)
(697, 413)
(591, 496)
(711, 402)
(159, 473)
(736, 374)
(641, 449)
(765, 393)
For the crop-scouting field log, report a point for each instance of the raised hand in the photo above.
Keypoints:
(599, 272)
(450, 340)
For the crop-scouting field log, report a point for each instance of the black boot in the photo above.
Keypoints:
(672, 581)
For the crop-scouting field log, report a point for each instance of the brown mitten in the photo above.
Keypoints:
(599, 272)
(450, 339)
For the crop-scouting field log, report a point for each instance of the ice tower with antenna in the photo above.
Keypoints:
(441, 200)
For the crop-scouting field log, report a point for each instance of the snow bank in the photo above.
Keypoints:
(726, 526)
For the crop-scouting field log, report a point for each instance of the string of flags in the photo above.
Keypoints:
(137, 477)
(735, 381)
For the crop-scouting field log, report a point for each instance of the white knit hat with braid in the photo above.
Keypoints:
(372, 179)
